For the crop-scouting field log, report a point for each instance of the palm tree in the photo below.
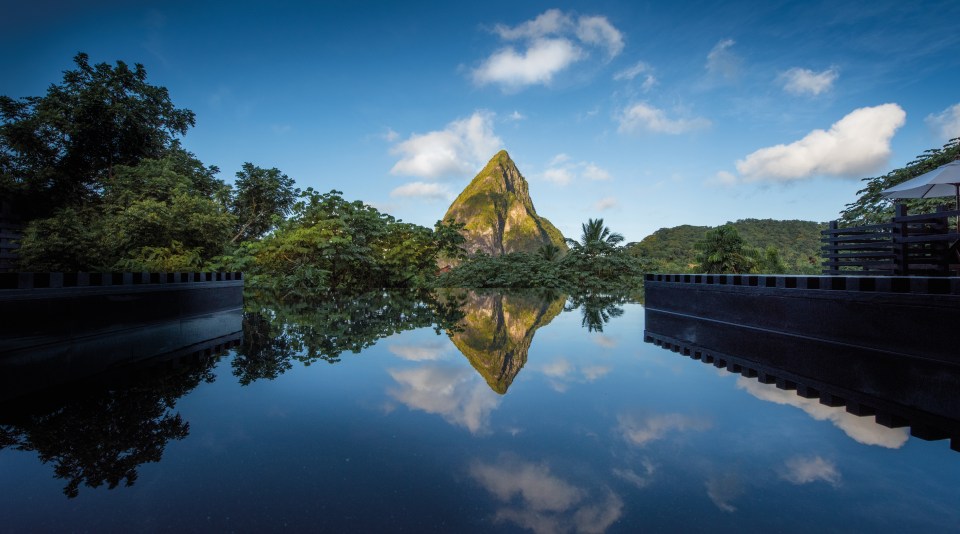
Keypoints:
(722, 251)
(595, 234)
(549, 251)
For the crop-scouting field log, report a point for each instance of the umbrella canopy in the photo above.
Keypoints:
(944, 181)
(940, 182)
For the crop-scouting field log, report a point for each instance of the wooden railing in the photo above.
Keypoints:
(925, 244)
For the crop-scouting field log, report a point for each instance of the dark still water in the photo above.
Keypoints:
(527, 412)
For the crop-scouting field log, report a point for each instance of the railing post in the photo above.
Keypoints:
(833, 264)
(902, 268)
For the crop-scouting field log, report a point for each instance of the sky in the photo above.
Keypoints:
(645, 114)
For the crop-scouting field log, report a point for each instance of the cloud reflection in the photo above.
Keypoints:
(419, 352)
(804, 470)
(722, 489)
(536, 499)
(639, 480)
(860, 429)
(645, 430)
(456, 394)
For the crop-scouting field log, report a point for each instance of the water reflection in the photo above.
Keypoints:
(533, 497)
(450, 391)
(497, 330)
(321, 327)
(100, 433)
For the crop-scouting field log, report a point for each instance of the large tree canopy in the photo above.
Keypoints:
(58, 150)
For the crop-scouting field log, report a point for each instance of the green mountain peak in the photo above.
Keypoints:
(498, 213)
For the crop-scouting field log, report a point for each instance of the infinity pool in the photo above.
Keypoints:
(461, 412)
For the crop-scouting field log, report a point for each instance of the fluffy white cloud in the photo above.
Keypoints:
(598, 31)
(459, 149)
(946, 123)
(723, 179)
(423, 190)
(806, 82)
(644, 117)
(856, 145)
(643, 431)
(550, 44)
(536, 65)
(516, 116)
(559, 158)
(722, 62)
(606, 203)
(804, 470)
(860, 429)
(456, 394)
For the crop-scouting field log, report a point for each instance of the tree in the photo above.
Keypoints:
(60, 149)
(722, 251)
(596, 237)
(872, 208)
(260, 197)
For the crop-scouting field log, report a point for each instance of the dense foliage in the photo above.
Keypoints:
(795, 243)
(871, 207)
(595, 263)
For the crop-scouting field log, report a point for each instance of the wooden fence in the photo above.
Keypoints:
(925, 244)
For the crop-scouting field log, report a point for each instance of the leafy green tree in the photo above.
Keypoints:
(59, 150)
(722, 251)
(153, 216)
(872, 208)
(261, 196)
(334, 243)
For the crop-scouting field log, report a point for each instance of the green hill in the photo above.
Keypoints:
(672, 249)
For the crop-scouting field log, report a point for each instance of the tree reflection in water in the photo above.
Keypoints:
(597, 309)
(96, 434)
(321, 327)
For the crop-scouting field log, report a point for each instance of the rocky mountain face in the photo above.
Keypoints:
(497, 330)
(498, 212)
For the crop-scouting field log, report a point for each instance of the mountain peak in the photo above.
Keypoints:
(498, 213)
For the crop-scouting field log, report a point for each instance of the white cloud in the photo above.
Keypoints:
(534, 498)
(557, 369)
(550, 43)
(605, 204)
(550, 22)
(946, 123)
(722, 62)
(644, 117)
(860, 429)
(560, 176)
(592, 172)
(456, 394)
(418, 353)
(594, 372)
(596, 30)
(562, 171)
(516, 116)
(537, 65)
(643, 431)
(459, 149)
(423, 190)
(804, 81)
(632, 72)
(606, 342)
(856, 145)
(804, 470)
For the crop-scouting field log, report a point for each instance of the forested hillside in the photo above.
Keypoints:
(798, 242)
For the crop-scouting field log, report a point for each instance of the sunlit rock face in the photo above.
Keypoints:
(497, 330)
(498, 213)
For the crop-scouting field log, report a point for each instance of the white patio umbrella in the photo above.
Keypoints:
(944, 181)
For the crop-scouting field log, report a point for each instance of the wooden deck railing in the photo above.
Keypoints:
(925, 244)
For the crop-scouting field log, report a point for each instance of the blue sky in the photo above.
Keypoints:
(645, 114)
